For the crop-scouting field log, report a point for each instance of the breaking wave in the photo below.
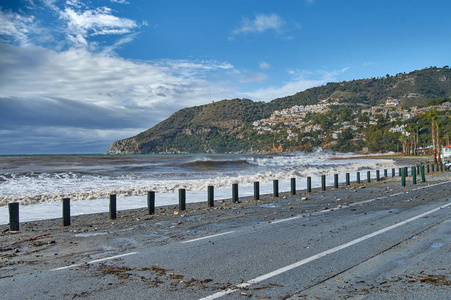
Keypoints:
(192, 173)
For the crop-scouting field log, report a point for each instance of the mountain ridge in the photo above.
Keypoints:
(226, 125)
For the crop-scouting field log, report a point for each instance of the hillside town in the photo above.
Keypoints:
(330, 121)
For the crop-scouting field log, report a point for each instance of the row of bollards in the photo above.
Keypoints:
(13, 207)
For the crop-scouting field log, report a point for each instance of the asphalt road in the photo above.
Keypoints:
(393, 246)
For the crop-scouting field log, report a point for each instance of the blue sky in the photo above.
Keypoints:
(78, 75)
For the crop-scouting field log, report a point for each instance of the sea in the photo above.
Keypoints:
(39, 182)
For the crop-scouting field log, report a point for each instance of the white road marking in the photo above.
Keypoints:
(207, 237)
(354, 204)
(319, 255)
(95, 261)
(285, 220)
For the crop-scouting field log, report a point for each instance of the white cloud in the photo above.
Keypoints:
(76, 90)
(260, 23)
(17, 28)
(264, 65)
(120, 1)
(100, 21)
(104, 80)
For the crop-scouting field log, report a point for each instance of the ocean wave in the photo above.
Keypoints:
(167, 174)
(215, 164)
(41, 188)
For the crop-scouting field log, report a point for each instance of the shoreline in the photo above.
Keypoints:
(46, 244)
(398, 162)
(135, 216)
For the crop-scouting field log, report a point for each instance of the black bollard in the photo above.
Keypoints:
(358, 177)
(309, 184)
(112, 213)
(323, 182)
(368, 176)
(399, 172)
(235, 192)
(336, 181)
(13, 208)
(406, 171)
(182, 199)
(414, 175)
(418, 170)
(385, 173)
(256, 190)
(151, 202)
(393, 172)
(293, 186)
(348, 179)
(427, 168)
(433, 166)
(275, 185)
(378, 175)
(66, 211)
(403, 177)
(211, 196)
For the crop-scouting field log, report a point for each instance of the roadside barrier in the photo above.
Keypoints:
(275, 184)
(113, 207)
(182, 199)
(66, 211)
(13, 207)
(256, 190)
(151, 202)
(235, 193)
(211, 197)
(293, 186)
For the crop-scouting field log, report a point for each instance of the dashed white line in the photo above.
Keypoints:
(319, 255)
(95, 261)
(207, 237)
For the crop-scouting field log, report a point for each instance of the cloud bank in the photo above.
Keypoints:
(63, 88)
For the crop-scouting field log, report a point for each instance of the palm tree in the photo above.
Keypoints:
(438, 126)
(403, 140)
(430, 115)
(447, 137)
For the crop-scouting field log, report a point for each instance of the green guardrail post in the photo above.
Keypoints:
(423, 177)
